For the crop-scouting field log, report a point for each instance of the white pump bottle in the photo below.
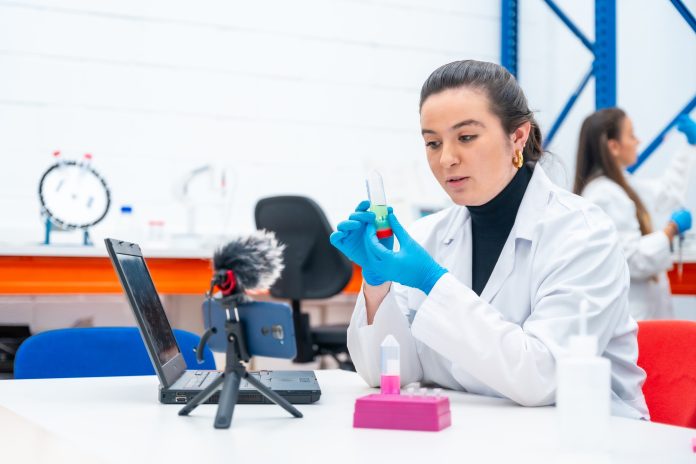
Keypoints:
(583, 393)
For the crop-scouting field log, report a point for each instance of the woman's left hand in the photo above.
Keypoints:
(411, 265)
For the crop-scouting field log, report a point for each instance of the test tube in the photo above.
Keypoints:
(680, 264)
(378, 204)
(391, 366)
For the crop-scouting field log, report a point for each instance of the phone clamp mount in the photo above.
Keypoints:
(234, 372)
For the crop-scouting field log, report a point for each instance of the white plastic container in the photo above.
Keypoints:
(583, 394)
(126, 226)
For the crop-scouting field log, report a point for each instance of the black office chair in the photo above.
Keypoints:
(313, 269)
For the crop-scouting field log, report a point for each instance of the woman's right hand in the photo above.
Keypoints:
(349, 239)
(679, 223)
(682, 219)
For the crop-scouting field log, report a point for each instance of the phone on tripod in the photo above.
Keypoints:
(268, 328)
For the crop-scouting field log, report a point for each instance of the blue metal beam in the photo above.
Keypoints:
(566, 109)
(605, 53)
(686, 14)
(508, 35)
(661, 136)
(573, 28)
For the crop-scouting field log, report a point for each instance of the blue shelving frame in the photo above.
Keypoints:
(603, 66)
(508, 36)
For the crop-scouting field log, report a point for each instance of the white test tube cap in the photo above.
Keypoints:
(375, 188)
(391, 356)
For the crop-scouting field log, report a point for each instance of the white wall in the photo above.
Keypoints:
(295, 97)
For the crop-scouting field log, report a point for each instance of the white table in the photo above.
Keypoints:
(119, 420)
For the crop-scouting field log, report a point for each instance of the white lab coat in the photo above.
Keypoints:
(505, 343)
(649, 256)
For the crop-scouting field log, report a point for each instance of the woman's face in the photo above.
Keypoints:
(468, 151)
(625, 149)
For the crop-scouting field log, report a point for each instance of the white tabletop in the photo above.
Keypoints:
(119, 420)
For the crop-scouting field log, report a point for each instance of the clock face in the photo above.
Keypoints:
(74, 195)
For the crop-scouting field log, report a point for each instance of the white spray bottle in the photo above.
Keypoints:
(583, 393)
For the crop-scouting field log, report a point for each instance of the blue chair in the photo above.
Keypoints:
(96, 352)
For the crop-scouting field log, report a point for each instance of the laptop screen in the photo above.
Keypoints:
(149, 305)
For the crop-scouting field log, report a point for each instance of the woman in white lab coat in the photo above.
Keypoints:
(483, 296)
(606, 147)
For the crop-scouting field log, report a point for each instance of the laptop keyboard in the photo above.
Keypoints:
(197, 379)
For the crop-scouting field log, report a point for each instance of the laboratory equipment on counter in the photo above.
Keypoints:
(156, 237)
(73, 196)
(428, 411)
(205, 192)
(391, 366)
(378, 204)
(391, 410)
(583, 394)
(126, 227)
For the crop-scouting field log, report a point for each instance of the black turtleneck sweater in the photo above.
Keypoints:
(491, 224)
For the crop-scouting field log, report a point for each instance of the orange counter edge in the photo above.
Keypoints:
(49, 275)
(44, 275)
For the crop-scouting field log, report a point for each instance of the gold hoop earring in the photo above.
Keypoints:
(518, 159)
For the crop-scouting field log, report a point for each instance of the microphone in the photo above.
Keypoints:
(252, 262)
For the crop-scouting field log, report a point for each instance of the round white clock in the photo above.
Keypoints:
(73, 195)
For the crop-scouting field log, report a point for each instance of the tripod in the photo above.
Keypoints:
(232, 377)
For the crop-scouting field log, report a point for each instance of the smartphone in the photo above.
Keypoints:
(268, 328)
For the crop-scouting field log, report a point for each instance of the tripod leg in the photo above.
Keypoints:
(202, 396)
(228, 399)
(273, 396)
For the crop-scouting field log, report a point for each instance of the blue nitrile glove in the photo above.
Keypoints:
(349, 240)
(411, 265)
(687, 126)
(682, 219)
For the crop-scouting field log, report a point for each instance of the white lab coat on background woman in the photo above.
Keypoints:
(649, 256)
(505, 343)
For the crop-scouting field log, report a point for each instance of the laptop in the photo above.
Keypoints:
(178, 385)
